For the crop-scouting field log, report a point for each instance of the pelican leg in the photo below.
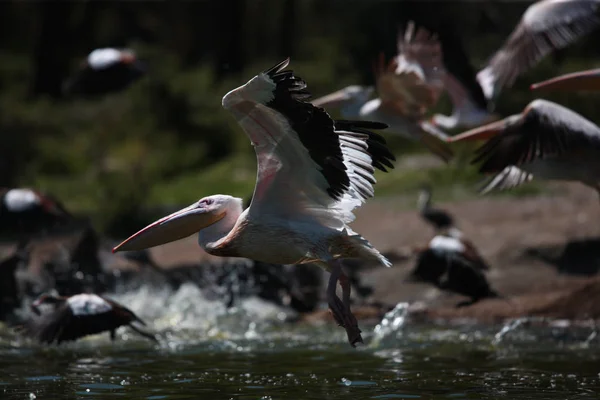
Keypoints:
(341, 310)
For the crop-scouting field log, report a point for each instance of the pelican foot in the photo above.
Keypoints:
(344, 318)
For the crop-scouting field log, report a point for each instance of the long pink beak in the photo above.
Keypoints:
(179, 225)
(577, 81)
(482, 133)
(332, 100)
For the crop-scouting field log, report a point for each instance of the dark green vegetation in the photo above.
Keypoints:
(167, 139)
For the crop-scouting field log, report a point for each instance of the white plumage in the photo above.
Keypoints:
(17, 200)
(88, 304)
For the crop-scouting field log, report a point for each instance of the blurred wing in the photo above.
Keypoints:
(403, 92)
(546, 26)
(424, 50)
(510, 177)
(543, 130)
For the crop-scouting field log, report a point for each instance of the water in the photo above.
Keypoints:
(251, 352)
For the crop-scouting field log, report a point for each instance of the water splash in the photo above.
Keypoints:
(391, 324)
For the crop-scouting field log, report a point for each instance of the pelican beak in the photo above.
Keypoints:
(577, 81)
(482, 133)
(178, 225)
(333, 100)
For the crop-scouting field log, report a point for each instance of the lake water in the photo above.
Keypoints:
(207, 352)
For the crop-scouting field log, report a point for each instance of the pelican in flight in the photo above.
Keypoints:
(546, 140)
(546, 25)
(312, 172)
(408, 86)
(577, 81)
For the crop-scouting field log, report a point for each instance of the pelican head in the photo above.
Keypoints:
(349, 99)
(577, 81)
(183, 223)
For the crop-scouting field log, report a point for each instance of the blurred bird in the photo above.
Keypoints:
(438, 218)
(577, 81)
(25, 212)
(312, 172)
(105, 71)
(10, 295)
(545, 26)
(470, 106)
(546, 140)
(407, 87)
(71, 318)
(453, 264)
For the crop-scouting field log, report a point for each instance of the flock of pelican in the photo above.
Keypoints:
(313, 171)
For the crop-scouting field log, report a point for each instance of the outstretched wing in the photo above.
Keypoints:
(545, 26)
(307, 163)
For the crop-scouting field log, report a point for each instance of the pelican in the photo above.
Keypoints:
(545, 26)
(104, 71)
(470, 106)
(546, 140)
(312, 172)
(407, 87)
(584, 80)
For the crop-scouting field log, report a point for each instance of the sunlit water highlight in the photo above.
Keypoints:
(251, 352)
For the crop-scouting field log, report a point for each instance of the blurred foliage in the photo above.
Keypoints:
(167, 140)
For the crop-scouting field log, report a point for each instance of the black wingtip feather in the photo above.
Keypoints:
(278, 67)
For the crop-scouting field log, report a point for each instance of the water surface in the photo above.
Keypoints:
(207, 352)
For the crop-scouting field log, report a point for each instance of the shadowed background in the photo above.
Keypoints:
(167, 140)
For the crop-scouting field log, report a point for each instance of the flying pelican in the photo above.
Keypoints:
(407, 87)
(104, 71)
(583, 80)
(545, 26)
(452, 263)
(312, 172)
(71, 318)
(546, 140)
(470, 106)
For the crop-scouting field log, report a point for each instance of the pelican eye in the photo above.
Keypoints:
(206, 202)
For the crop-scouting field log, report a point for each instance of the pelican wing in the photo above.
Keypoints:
(510, 177)
(546, 26)
(543, 130)
(306, 161)
(422, 50)
(411, 83)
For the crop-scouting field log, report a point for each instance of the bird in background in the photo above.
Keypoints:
(453, 264)
(104, 71)
(439, 219)
(407, 87)
(60, 319)
(312, 172)
(25, 212)
(546, 140)
(545, 26)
